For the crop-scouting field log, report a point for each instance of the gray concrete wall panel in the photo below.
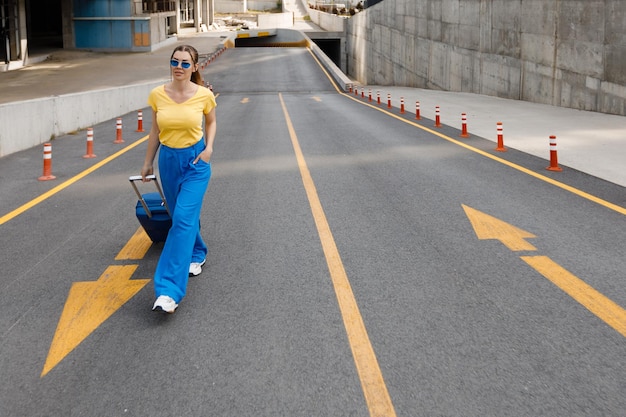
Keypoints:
(538, 48)
(615, 15)
(66, 113)
(566, 53)
(615, 57)
(450, 14)
(581, 57)
(582, 20)
(20, 133)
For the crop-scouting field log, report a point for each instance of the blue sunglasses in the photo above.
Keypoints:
(174, 63)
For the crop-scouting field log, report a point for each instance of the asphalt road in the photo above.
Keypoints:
(360, 263)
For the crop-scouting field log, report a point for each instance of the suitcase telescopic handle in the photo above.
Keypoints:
(135, 178)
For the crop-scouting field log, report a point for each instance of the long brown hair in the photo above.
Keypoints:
(196, 77)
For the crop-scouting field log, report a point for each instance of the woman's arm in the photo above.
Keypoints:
(211, 129)
(153, 146)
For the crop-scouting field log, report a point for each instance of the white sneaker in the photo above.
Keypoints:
(165, 303)
(195, 268)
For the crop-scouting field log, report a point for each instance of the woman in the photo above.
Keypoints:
(178, 111)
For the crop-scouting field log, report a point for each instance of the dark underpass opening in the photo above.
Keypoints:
(330, 47)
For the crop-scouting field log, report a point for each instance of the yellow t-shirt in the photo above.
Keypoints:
(181, 123)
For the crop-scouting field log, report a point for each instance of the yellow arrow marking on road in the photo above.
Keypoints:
(316, 99)
(88, 305)
(245, 100)
(488, 227)
(608, 311)
(136, 247)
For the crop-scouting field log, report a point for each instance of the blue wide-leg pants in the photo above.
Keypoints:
(184, 185)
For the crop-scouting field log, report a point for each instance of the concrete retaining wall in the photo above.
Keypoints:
(569, 53)
(262, 4)
(328, 21)
(231, 6)
(275, 20)
(34, 122)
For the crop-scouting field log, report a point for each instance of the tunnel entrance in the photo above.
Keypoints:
(330, 47)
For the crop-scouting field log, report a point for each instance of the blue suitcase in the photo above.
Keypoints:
(152, 210)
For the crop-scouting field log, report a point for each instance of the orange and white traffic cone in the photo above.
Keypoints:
(554, 160)
(464, 133)
(139, 121)
(500, 147)
(47, 163)
(89, 153)
(118, 137)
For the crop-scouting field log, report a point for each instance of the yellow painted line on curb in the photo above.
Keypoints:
(11, 215)
(603, 307)
(573, 190)
(372, 382)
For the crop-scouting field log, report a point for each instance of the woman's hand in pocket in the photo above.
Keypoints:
(205, 155)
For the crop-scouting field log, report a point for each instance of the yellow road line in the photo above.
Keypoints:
(325, 72)
(372, 382)
(603, 307)
(520, 168)
(11, 215)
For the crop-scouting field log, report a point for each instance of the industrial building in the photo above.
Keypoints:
(104, 25)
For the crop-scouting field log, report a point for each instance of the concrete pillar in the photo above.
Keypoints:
(197, 15)
(177, 20)
(67, 24)
(22, 49)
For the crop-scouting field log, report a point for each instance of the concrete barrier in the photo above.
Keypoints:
(34, 122)
(275, 20)
(268, 37)
(334, 71)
